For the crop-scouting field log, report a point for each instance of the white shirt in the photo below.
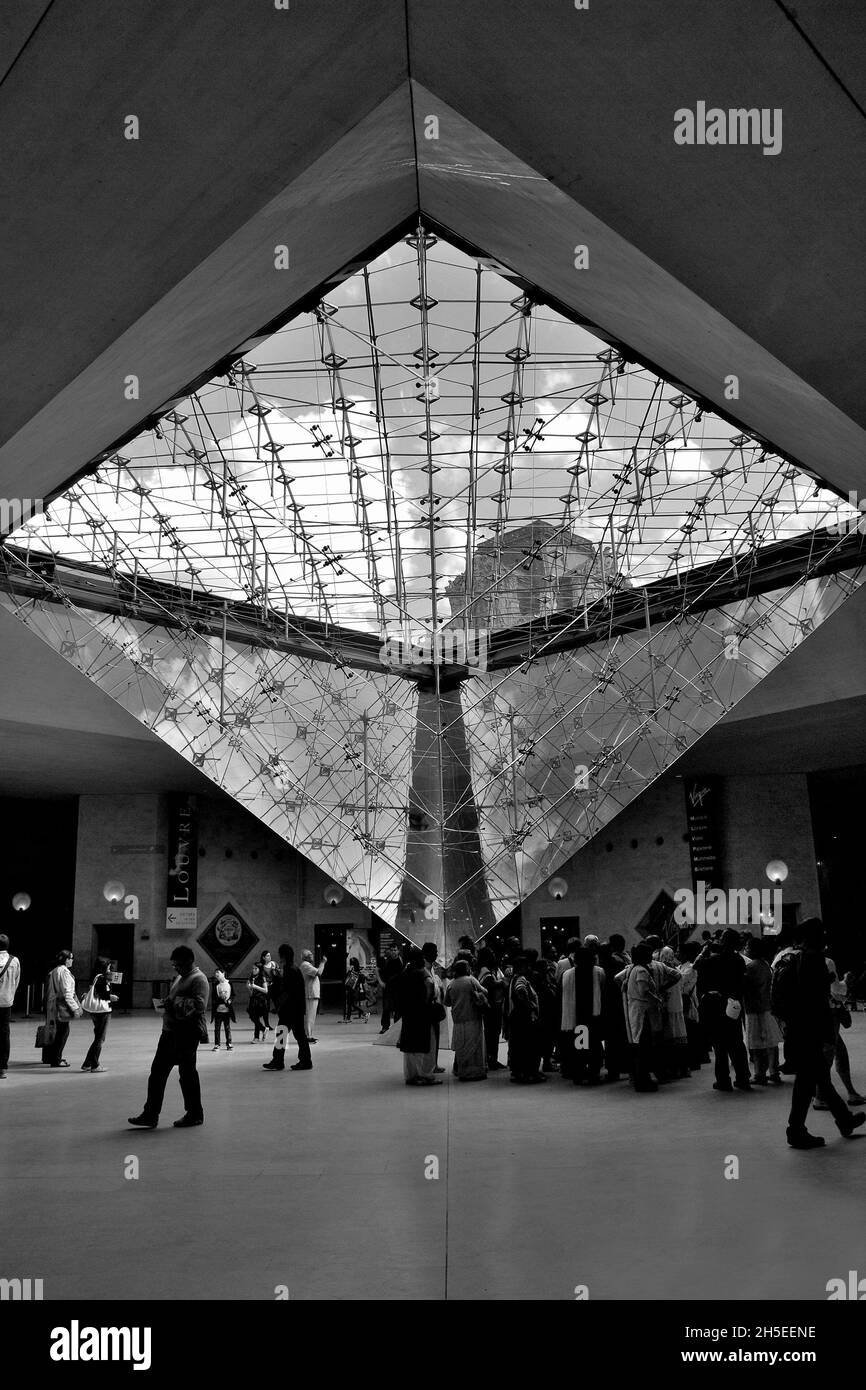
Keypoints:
(9, 983)
(564, 963)
(311, 974)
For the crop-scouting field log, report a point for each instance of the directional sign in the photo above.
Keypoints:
(181, 918)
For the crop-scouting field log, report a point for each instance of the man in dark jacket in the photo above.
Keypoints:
(390, 970)
(721, 977)
(291, 1000)
(184, 1026)
(810, 1040)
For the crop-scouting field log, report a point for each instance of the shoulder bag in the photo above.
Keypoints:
(92, 1004)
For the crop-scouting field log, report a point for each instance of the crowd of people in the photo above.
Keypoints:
(758, 1008)
(654, 1015)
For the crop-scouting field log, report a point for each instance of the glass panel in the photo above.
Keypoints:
(431, 450)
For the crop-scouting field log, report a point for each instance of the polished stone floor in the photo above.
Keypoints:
(316, 1181)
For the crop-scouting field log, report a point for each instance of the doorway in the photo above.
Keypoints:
(331, 942)
(116, 940)
(39, 932)
(511, 925)
(555, 934)
(838, 799)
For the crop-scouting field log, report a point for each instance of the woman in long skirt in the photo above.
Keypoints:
(417, 1039)
(467, 1001)
(763, 1033)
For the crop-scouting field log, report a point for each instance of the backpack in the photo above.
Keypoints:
(785, 987)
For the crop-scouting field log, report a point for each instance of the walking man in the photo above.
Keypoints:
(721, 984)
(184, 1026)
(801, 994)
(291, 1010)
(313, 990)
(390, 970)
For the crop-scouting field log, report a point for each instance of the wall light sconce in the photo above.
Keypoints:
(113, 891)
(557, 888)
(21, 902)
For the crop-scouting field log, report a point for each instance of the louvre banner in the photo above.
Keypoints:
(181, 900)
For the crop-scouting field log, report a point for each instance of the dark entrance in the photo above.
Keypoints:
(838, 802)
(555, 932)
(35, 834)
(512, 925)
(331, 942)
(116, 941)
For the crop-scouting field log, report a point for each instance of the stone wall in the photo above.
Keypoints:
(610, 889)
(278, 893)
(766, 818)
(612, 882)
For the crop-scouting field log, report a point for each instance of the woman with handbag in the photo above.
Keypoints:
(97, 1003)
(61, 1007)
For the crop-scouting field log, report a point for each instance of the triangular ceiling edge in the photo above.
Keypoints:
(363, 192)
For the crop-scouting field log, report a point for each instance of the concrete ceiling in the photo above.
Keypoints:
(306, 127)
(61, 736)
(234, 108)
(587, 99)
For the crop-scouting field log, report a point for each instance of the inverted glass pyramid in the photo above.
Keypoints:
(433, 581)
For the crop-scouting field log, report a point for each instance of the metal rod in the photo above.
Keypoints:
(364, 722)
(223, 665)
(649, 647)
